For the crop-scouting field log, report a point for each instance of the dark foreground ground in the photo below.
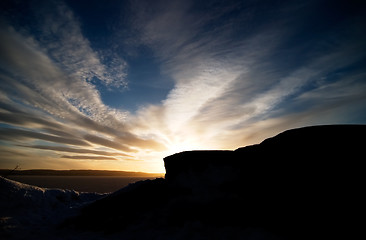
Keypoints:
(304, 183)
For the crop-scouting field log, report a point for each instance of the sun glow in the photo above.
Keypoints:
(183, 146)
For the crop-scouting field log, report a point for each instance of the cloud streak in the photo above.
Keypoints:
(18, 134)
(89, 157)
(107, 143)
(77, 150)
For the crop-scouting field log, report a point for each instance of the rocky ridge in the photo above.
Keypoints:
(302, 183)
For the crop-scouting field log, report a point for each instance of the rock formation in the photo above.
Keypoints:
(302, 183)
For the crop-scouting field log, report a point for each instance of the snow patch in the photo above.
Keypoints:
(28, 212)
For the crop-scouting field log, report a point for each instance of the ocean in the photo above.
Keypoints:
(98, 184)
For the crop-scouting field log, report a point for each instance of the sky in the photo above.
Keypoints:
(118, 85)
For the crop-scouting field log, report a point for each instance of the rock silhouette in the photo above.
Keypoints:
(302, 183)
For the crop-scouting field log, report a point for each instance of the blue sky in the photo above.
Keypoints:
(121, 84)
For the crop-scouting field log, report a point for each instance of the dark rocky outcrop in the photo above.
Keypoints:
(302, 183)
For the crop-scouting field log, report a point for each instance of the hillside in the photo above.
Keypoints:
(301, 184)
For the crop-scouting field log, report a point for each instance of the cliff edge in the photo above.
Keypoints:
(309, 155)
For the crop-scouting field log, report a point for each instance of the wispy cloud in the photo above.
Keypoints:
(107, 143)
(63, 40)
(49, 89)
(18, 134)
(228, 83)
(77, 150)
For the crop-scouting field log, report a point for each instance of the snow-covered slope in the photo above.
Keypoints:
(30, 212)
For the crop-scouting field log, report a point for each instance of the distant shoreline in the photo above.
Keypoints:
(48, 172)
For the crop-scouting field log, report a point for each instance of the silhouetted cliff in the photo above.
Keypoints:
(302, 183)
